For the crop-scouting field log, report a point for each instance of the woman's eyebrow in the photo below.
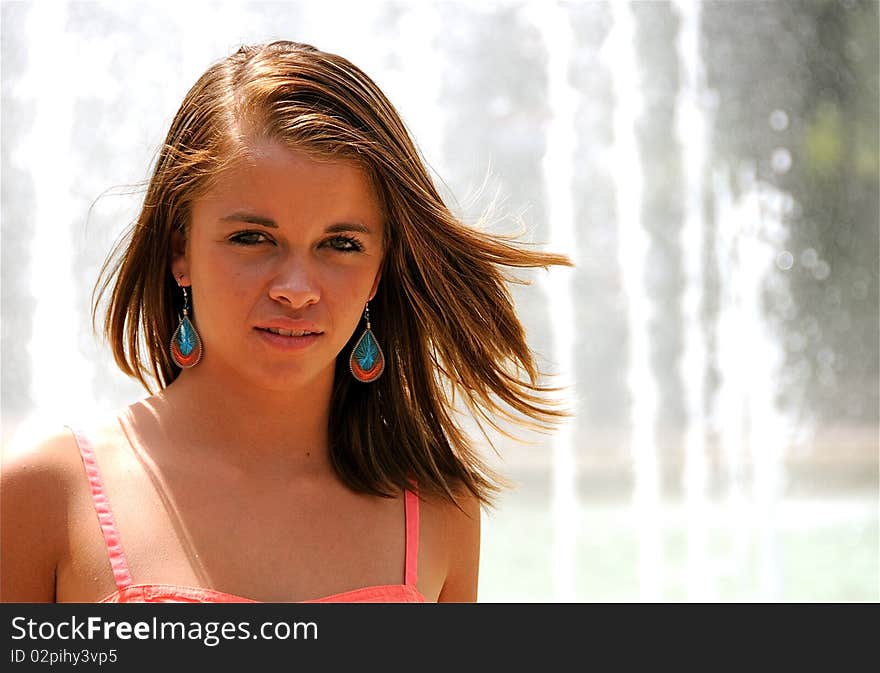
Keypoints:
(250, 219)
(270, 223)
(348, 226)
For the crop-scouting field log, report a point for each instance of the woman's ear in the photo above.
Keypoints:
(375, 284)
(179, 261)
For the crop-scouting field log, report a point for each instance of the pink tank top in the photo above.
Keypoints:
(129, 592)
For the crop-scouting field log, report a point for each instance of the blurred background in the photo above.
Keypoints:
(711, 168)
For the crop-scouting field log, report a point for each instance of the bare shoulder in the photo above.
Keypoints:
(36, 479)
(39, 467)
(461, 525)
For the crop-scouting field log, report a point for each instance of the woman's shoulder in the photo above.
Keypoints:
(36, 480)
(43, 460)
(42, 457)
(43, 483)
(42, 466)
(462, 513)
(459, 524)
(458, 517)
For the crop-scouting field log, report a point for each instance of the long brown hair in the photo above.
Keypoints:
(443, 313)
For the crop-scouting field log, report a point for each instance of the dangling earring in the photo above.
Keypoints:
(367, 362)
(186, 346)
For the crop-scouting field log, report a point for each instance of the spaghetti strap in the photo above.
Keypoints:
(121, 574)
(411, 574)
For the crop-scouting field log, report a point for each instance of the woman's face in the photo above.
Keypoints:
(282, 241)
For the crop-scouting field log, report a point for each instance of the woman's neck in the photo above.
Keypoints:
(251, 428)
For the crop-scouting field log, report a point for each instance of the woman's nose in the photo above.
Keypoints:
(295, 284)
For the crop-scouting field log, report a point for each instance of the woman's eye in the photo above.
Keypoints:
(340, 243)
(345, 244)
(249, 238)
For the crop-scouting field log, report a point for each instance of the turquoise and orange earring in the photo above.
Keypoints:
(367, 362)
(186, 346)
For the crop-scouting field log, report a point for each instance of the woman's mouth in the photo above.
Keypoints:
(287, 332)
(286, 339)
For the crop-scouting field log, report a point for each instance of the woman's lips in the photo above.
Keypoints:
(288, 343)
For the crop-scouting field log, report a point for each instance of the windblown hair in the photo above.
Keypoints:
(443, 313)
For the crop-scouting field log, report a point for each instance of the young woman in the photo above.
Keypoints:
(311, 311)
